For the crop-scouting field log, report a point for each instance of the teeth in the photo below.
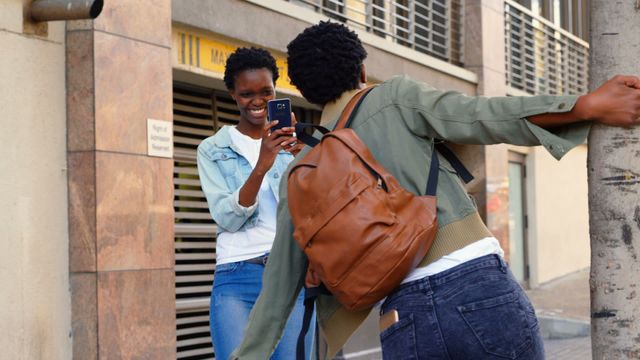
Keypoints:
(256, 111)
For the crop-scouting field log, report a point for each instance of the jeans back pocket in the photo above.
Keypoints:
(399, 340)
(500, 325)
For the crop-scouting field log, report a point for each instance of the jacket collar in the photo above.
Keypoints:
(333, 110)
(223, 139)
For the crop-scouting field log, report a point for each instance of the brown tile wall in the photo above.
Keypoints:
(120, 200)
(136, 313)
(135, 225)
(80, 91)
(133, 82)
(84, 317)
(145, 20)
(82, 211)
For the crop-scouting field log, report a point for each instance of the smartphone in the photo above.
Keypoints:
(389, 318)
(279, 109)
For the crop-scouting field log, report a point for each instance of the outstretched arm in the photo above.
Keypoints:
(614, 103)
(559, 123)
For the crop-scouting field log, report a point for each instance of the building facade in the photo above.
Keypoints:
(108, 248)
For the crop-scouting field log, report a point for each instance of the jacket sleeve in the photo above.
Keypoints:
(282, 280)
(462, 119)
(223, 203)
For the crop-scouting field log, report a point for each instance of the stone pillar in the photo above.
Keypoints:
(121, 251)
(485, 55)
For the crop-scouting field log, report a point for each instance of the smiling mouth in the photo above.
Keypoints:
(257, 112)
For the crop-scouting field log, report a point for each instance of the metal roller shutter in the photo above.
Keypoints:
(197, 113)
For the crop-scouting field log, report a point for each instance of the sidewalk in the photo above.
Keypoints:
(563, 308)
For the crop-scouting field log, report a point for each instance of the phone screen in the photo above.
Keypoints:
(280, 109)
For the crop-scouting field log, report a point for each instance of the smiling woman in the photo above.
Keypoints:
(252, 89)
(240, 169)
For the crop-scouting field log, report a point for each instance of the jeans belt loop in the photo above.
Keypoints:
(503, 264)
(260, 260)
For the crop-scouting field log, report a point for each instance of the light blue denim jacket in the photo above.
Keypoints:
(223, 171)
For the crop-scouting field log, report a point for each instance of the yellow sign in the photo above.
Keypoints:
(211, 54)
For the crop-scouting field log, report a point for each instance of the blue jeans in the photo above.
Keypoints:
(476, 310)
(235, 289)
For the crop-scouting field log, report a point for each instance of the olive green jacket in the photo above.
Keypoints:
(398, 121)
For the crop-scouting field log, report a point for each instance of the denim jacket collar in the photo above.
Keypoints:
(223, 139)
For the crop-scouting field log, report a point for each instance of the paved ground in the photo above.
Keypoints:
(568, 349)
(567, 297)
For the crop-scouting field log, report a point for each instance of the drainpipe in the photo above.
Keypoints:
(53, 10)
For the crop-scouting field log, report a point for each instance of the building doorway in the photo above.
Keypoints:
(518, 220)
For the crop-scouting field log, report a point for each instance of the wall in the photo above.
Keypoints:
(223, 16)
(558, 214)
(34, 267)
(121, 218)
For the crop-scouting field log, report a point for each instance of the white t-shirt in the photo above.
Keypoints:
(486, 246)
(255, 241)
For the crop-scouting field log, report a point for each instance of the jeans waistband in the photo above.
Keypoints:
(428, 283)
(260, 260)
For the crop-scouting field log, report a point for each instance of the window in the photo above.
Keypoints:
(334, 9)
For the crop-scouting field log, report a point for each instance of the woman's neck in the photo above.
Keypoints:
(251, 130)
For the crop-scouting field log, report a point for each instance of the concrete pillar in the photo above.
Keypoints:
(484, 54)
(121, 256)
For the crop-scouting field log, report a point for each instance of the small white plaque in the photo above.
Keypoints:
(160, 138)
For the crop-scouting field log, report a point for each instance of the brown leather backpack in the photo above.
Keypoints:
(361, 231)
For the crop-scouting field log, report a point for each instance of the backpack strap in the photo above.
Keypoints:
(305, 137)
(432, 180)
(310, 296)
(462, 171)
(345, 119)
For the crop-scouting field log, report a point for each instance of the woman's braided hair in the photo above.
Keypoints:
(325, 61)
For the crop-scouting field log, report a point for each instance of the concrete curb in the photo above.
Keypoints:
(563, 328)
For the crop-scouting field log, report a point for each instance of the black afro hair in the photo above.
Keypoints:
(248, 59)
(324, 61)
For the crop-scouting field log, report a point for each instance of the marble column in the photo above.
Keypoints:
(121, 256)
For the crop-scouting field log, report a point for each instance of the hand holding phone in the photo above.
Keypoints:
(279, 109)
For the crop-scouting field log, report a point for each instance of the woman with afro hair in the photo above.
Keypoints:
(240, 169)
